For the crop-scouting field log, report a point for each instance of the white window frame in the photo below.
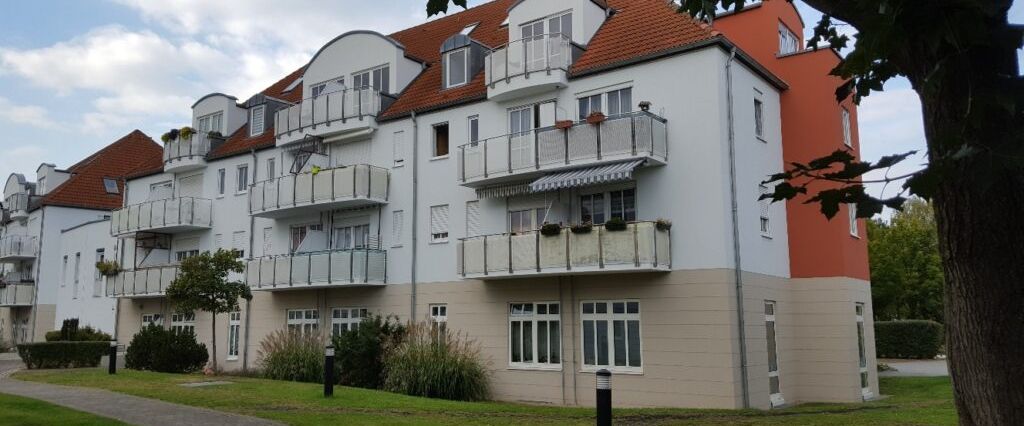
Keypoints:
(438, 235)
(609, 317)
(182, 322)
(347, 318)
(64, 273)
(474, 128)
(398, 144)
(365, 78)
(253, 129)
(533, 317)
(765, 206)
(863, 376)
(78, 265)
(213, 122)
(603, 99)
(155, 319)
(397, 227)
(234, 334)
(304, 321)
(97, 285)
(851, 210)
(242, 179)
(433, 135)
(770, 307)
(788, 43)
(222, 182)
(271, 168)
(847, 127)
(759, 118)
(448, 68)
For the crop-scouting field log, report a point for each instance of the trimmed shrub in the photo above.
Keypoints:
(909, 339)
(62, 354)
(293, 356)
(360, 352)
(165, 351)
(447, 366)
(84, 334)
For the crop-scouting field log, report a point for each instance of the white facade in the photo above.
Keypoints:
(81, 293)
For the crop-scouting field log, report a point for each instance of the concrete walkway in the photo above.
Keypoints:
(915, 368)
(126, 408)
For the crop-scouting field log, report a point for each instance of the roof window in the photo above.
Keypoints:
(110, 184)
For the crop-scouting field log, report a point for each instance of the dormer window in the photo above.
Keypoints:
(457, 67)
(378, 78)
(787, 40)
(211, 123)
(256, 122)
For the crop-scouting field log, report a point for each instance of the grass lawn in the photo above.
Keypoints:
(913, 401)
(15, 410)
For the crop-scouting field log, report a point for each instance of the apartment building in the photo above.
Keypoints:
(48, 265)
(410, 174)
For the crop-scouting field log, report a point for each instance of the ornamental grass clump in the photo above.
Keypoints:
(437, 364)
(292, 356)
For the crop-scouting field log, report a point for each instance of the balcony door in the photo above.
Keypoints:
(161, 191)
(522, 123)
(533, 43)
(352, 237)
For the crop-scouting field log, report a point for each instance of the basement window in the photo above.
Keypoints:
(110, 185)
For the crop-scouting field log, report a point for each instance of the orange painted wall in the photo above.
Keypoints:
(811, 127)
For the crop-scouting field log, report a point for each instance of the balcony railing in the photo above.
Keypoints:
(196, 146)
(350, 186)
(328, 113)
(18, 247)
(640, 247)
(318, 269)
(531, 54)
(168, 216)
(626, 136)
(143, 282)
(16, 277)
(16, 295)
(17, 205)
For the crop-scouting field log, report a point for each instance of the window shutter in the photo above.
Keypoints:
(439, 221)
(398, 221)
(472, 218)
(257, 120)
(239, 241)
(399, 147)
(218, 241)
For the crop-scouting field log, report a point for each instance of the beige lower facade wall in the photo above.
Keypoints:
(688, 326)
(45, 320)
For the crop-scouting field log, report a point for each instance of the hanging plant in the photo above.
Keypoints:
(583, 228)
(551, 230)
(663, 224)
(108, 268)
(615, 224)
(596, 117)
(563, 124)
(186, 132)
(170, 136)
(315, 170)
(166, 137)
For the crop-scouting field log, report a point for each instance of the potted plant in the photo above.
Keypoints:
(315, 170)
(551, 229)
(596, 117)
(186, 132)
(563, 124)
(215, 135)
(615, 224)
(108, 268)
(582, 228)
(663, 224)
(170, 136)
(645, 106)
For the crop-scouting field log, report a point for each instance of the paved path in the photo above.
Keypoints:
(915, 368)
(126, 408)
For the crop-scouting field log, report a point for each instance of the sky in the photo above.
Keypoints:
(75, 75)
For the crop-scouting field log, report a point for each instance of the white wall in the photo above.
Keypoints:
(234, 117)
(358, 51)
(587, 16)
(90, 306)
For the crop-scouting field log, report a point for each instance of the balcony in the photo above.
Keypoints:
(632, 136)
(16, 277)
(529, 66)
(641, 247)
(343, 187)
(14, 248)
(17, 206)
(349, 111)
(174, 215)
(142, 283)
(184, 155)
(322, 269)
(12, 295)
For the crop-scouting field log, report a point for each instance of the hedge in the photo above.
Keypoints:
(62, 354)
(908, 339)
(157, 349)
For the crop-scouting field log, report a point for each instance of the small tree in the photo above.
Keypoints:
(203, 285)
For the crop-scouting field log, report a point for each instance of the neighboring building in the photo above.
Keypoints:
(36, 278)
(409, 174)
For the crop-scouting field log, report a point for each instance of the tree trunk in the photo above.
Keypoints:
(213, 340)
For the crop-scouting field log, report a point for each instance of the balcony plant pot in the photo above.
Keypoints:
(170, 136)
(663, 224)
(108, 268)
(645, 106)
(582, 228)
(615, 224)
(596, 118)
(551, 230)
(186, 132)
(563, 124)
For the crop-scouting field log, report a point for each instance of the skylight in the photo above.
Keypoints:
(110, 185)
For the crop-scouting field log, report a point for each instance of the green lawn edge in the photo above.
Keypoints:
(19, 410)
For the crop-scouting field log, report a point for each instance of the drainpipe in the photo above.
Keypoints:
(38, 268)
(736, 231)
(415, 199)
(252, 236)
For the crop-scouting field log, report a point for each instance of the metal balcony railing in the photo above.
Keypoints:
(16, 202)
(15, 247)
(142, 282)
(16, 277)
(636, 134)
(318, 269)
(16, 295)
(163, 215)
(640, 247)
(329, 107)
(519, 57)
(360, 184)
(196, 146)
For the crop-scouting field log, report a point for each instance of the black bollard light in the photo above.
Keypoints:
(112, 368)
(604, 397)
(329, 371)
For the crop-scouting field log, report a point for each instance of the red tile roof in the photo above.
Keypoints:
(240, 141)
(85, 188)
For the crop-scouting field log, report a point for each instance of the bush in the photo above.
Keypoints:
(292, 356)
(360, 353)
(910, 339)
(165, 351)
(84, 334)
(62, 354)
(448, 367)
(615, 224)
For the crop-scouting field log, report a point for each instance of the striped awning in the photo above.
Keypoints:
(589, 176)
(502, 191)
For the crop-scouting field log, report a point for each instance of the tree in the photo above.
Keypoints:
(203, 285)
(960, 56)
(906, 270)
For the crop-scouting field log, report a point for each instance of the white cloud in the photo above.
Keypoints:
(22, 158)
(30, 115)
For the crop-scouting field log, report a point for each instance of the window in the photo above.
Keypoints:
(474, 129)
(438, 320)
(298, 235)
(318, 89)
(221, 181)
(535, 339)
(242, 178)
(456, 67)
(620, 350)
(589, 105)
(787, 40)
(64, 273)
(521, 221)
(765, 205)
(473, 218)
(520, 126)
(397, 223)
(211, 122)
(110, 185)
(379, 79)
(183, 323)
(161, 191)
(865, 386)
(759, 119)
(439, 224)
(271, 168)
(256, 121)
(303, 321)
(234, 327)
(181, 255)
(623, 204)
(352, 237)
(97, 284)
(847, 136)
(774, 390)
(620, 101)
(398, 141)
(852, 210)
(239, 241)
(346, 319)
(152, 319)
(592, 208)
(268, 241)
(441, 140)
(78, 264)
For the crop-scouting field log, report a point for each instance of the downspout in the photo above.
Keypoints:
(38, 268)
(415, 199)
(737, 261)
(252, 237)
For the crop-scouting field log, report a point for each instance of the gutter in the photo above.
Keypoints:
(415, 200)
(38, 266)
(737, 260)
